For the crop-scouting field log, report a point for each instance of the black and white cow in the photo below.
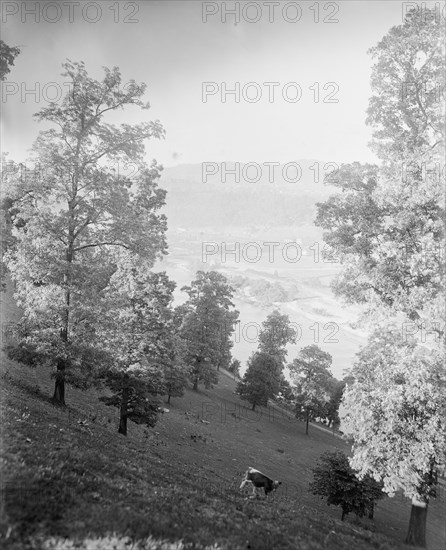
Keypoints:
(257, 479)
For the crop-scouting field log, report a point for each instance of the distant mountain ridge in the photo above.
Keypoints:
(296, 174)
(198, 198)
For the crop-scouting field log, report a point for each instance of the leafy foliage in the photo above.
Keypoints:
(70, 212)
(390, 237)
(138, 328)
(207, 324)
(285, 390)
(312, 378)
(387, 223)
(275, 334)
(133, 393)
(335, 479)
(396, 411)
(261, 380)
(406, 106)
(336, 392)
(7, 57)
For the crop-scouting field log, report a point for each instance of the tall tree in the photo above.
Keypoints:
(387, 222)
(388, 226)
(396, 413)
(208, 322)
(406, 109)
(276, 332)
(7, 57)
(312, 377)
(261, 380)
(76, 211)
(137, 328)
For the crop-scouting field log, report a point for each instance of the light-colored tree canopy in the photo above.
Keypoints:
(396, 412)
(387, 224)
(71, 210)
(310, 373)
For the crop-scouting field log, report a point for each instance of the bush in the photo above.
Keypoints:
(335, 479)
(26, 354)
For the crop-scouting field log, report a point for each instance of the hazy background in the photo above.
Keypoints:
(174, 49)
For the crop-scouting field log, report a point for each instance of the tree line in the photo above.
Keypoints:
(313, 392)
(82, 241)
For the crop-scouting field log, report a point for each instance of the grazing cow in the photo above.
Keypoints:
(257, 479)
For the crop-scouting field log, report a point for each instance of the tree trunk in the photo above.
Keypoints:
(253, 406)
(371, 510)
(168, 399)
(195, 386)
(122, 425)
(416, 535)
(59, 385)
(307, 421)
(123, 412)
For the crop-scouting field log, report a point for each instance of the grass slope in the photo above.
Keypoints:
(67, 473)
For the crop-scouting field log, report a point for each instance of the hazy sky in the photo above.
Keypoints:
(171, 48)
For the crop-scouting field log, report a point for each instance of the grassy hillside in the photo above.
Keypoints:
(67, 473)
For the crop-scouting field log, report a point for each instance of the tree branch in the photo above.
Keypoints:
(112, 243)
